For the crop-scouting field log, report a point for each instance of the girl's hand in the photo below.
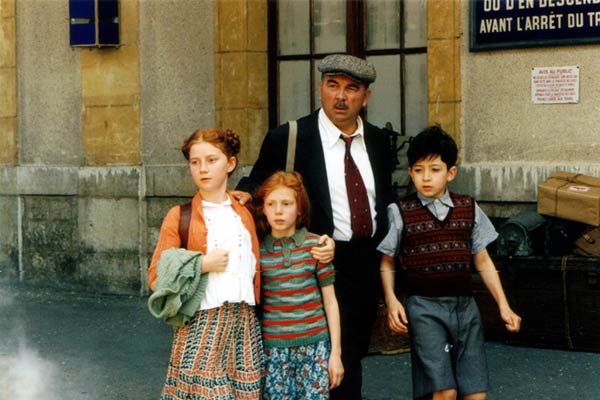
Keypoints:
(336, 371)
(215, 261)
(325, 251)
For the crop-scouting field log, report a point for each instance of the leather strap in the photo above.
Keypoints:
(291, 149)
(185, 215)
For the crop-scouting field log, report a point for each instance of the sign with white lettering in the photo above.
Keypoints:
(555, 85)
(507, 24)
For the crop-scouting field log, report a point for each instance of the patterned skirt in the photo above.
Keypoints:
(298, 372)
(218, 356)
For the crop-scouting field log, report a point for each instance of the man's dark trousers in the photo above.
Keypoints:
(357, 290)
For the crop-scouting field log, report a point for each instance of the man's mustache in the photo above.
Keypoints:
(341, 104)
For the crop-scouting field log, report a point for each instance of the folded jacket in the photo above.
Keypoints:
(180, 286)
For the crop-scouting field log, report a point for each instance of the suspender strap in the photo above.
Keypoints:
(291, 149)
(184, 223)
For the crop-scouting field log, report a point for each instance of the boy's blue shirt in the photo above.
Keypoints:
(482, 235)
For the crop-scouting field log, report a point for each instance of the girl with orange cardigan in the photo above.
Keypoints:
(219, 353)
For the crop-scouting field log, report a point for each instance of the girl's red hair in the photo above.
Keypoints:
(292, 180)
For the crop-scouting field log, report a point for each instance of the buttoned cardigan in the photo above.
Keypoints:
(169, 236)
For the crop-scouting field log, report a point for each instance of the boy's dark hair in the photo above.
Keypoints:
(432, 142)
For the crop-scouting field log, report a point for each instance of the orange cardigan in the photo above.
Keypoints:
(169, 236)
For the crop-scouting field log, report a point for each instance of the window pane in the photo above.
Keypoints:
(294, 89)
(415, 23)
(294, 34)
(316, 84)
(383, 29)
(416, 93)
(384, 103)
(330, 26)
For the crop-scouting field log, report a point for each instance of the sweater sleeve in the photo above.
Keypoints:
(168, 238)
(325, 274)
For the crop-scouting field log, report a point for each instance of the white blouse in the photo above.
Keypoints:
(226, 231)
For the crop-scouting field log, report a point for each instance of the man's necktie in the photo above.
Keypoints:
(360, 211)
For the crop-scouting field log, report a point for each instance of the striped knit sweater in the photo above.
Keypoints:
(293, 313)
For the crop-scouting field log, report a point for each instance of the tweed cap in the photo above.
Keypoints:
(350, 66)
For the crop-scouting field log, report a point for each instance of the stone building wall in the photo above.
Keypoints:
(89, 138)
(509, 144)
(89, 161)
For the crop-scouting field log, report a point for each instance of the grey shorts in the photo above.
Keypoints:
(447, 345)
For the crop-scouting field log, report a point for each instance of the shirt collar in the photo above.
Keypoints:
(332, 132)
(297, 238)
(445, 199)
(209, 204)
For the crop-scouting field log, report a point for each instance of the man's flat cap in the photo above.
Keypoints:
(350, 66)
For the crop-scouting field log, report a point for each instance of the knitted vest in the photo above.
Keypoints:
(436, 255)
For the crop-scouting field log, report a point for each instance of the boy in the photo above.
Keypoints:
(439, 237)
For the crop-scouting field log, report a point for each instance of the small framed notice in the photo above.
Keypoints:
(555, 85)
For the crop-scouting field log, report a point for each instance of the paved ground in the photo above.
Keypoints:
(61, 345)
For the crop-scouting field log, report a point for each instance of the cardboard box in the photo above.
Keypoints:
(571, 196)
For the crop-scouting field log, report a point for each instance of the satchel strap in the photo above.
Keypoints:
(291, 149)
(185, 215)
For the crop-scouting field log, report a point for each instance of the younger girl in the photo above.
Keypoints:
(219, 354)
(301, 321)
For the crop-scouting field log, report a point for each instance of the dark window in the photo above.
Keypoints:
(391, 34)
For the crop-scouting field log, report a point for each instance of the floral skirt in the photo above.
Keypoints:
(300, 372)
(217, 356)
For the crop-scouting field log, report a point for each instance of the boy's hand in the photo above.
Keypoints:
(511, 320)
(487, 270)
(336, 371)
(215, 261)
(241, 196)
(396, 317)
(325, 251)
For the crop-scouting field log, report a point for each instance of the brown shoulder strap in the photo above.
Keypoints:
(184, 223)
(291, 149)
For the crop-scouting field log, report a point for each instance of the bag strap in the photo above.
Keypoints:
(291, 149)
(185, 216)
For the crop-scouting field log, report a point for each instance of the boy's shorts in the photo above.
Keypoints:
(447, 345)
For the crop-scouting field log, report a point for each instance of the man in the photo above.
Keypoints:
(322, 161)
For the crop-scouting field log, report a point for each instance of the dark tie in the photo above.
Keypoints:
(360, 211)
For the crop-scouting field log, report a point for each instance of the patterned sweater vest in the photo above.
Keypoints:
(436, 255)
